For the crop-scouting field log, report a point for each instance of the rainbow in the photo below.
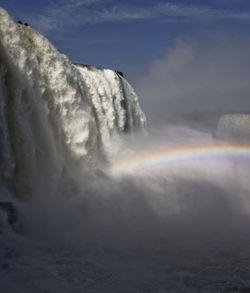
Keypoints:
(177, 155)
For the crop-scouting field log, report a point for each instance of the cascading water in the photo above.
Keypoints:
(168, 214)
(57, 119)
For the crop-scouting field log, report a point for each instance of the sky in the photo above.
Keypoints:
(154, 42)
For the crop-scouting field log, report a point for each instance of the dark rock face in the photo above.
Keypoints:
(20, 22)
(119, 73)
(244, 290)
(11, 211)
(5, 266)
(239, 289)
(90, 67)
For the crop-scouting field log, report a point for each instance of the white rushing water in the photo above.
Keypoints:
(56, 117)
(67, 226)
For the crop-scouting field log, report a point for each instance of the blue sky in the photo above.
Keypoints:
(125, 34)
(138, 37)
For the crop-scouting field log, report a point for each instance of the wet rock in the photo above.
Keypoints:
(5, 266)
(244, 290)
(119, 73)
(239, 289)
(11, 211)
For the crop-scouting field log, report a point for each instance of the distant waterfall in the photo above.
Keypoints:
(234, 127)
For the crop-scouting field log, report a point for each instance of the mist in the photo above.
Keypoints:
(189, 219)
(105, 204)
(197, 75)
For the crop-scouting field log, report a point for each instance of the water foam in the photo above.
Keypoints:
(58, 119)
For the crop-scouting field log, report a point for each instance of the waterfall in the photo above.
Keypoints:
(58, 119)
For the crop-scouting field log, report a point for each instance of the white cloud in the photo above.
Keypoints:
(83, 12)
(195, 12)
(64, 13)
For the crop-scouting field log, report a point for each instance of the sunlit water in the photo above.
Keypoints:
(99, 204)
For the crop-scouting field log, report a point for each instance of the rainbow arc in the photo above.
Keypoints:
(176, 155)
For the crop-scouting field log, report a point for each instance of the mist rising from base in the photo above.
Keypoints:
(70, 222)
(178, 227)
